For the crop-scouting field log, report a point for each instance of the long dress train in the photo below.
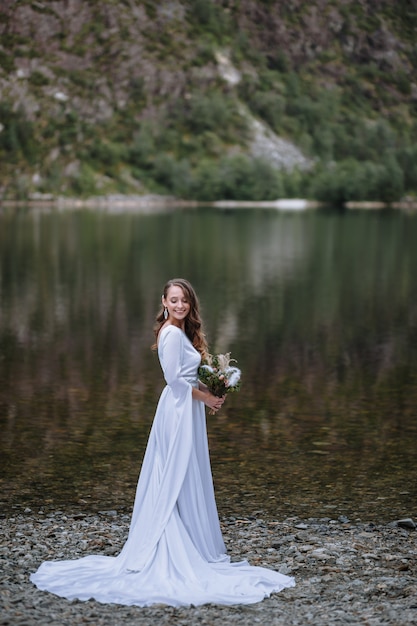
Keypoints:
(174, 553)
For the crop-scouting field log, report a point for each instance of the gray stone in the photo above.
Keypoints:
(348, 573)
(407, 523)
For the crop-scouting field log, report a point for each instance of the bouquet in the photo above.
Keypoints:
(219, 376)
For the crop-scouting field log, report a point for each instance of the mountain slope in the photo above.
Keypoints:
(140, 96)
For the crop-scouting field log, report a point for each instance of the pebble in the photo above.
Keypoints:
(346, 572)
(407, 523)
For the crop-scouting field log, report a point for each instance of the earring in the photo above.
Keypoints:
(165, 313)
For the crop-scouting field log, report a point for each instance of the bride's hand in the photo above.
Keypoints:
(213, 402)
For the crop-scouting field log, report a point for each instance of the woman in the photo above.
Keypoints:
(174, 553)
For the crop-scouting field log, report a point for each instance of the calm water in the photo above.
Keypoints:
(319, 309)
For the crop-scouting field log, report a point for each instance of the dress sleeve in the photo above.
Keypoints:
(171, 355)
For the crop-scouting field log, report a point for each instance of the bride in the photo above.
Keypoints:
(174, 553)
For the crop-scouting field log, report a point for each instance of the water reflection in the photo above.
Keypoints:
(320, 309)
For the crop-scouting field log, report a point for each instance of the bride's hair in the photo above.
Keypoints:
(193, 322)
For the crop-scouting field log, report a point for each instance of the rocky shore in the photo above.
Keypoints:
(346, 571)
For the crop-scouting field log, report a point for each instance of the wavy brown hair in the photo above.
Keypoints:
(193, 323)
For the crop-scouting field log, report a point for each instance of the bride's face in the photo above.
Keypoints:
(177, 304)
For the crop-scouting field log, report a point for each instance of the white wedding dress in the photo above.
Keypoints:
(174, 553)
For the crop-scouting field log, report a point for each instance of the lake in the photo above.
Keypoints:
(318, 307)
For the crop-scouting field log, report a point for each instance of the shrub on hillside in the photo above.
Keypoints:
(237, 178)
(212, 112)
(173, 176)
(407, 159)
(17, 137)
(362, 181)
